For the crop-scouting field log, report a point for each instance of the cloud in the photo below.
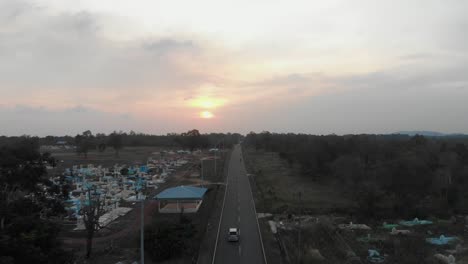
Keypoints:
(22, 119)
(67, 56)
(415, 56)
(378, 102)
(297, 71)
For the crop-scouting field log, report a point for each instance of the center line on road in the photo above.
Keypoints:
(238, 219)
(240, 250)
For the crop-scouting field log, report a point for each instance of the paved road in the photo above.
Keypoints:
(239, 212)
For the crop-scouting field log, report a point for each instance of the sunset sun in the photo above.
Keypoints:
(206, 114)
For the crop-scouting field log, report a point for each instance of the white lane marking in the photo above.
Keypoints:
(238, 219)
(240, 250)
(221, 217)
(256, 218)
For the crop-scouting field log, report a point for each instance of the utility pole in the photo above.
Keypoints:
(300, 227)
(142, 235)
(139, 188)
(201, 162)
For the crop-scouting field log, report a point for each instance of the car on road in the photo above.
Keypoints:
(233, 235)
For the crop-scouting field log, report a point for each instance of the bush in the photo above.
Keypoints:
(166, 239)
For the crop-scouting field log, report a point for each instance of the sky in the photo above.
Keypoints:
(312, 66)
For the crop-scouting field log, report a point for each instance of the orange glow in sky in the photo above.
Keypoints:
(206, 114)
(207, 102)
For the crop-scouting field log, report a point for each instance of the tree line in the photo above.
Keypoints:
(87, 141)
(396, 174)
(134, 139)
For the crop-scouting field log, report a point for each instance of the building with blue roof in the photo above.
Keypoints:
(181, 199)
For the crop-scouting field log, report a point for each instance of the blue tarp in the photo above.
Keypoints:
(442, 240)
(182, 192)
(389, 226)
(374, 256)
(144, 168)
(85, 171)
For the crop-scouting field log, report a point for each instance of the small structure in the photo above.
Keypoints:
(374, 256)
(415, 222)
(399, 232)
(386, 225)
(181, 199)
(450, 259)
(441, 240)
(352, 226)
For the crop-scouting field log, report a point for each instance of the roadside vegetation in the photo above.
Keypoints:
(315, 187)
(386, 176)
(30, 206)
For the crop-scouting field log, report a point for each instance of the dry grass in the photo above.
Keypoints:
(278, 186)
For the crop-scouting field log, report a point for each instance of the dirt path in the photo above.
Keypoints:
(131, 230)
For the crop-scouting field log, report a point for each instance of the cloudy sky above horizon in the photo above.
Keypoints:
(153, 66)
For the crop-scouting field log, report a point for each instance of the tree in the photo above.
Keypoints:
(27, 233)
(115, 140)
(91, 210)
(368, 197)
(84, 143)
(102, 147)
(166, 239)
(348, 169)
(124, 171)
(21, 169)
(192, 140)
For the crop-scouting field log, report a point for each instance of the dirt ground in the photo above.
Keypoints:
(127, 156)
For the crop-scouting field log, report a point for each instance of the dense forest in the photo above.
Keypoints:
(388, 175)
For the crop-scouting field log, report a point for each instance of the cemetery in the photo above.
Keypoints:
(335, 239)
(121, 184)
(171, 182)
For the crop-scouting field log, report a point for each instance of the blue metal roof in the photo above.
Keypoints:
(182, 192)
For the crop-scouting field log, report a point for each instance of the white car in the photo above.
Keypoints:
(233, 235)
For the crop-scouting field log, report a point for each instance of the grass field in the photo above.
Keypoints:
(279, 186)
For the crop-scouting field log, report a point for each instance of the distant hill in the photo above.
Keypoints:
(430, 134)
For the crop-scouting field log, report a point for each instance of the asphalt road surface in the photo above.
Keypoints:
(239, 212)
